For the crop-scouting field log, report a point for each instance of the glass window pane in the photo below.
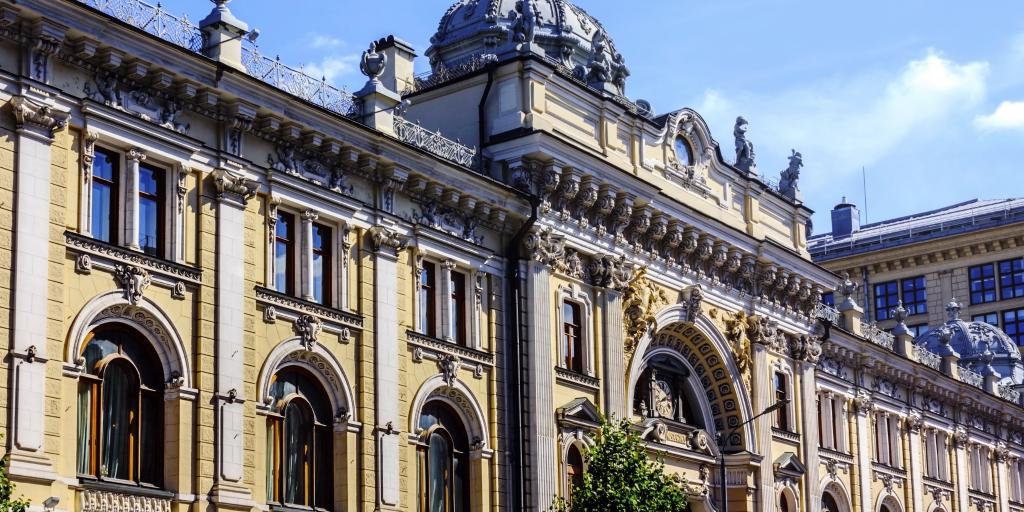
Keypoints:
(438, 470)
(148, 219)
(321, 264)
(120, 416)
(283, 254)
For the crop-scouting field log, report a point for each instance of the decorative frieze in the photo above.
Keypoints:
(578, 379)
(546, 247)
(382, 238)
(279, 301)
(234, 186)
(436, 348)
(93, 252)
(106, 501)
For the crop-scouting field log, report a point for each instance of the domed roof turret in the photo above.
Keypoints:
(979, 345)
(554, 29)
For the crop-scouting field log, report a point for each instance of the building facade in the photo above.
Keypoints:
(230, 286)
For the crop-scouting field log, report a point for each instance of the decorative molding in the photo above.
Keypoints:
(610, 272)
(308, 328)
(433, 142)
(286, 302)
(384, 238)
(240, 186)
(42, 116)
(106, 501)
(543, 245)
(578, 379)
(423, 345)
(133, 280)
(97, 252)
(449, 365)
(805, 348)
(641, 302)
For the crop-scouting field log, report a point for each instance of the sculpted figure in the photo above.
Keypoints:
(791, 176)
(744, 148)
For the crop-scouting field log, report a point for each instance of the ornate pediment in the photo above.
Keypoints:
(580, 410)
(788, 465)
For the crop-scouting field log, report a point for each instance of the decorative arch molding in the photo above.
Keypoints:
(792, 497)
(707, 351)
(320, 363)
(692, 380)
(461, 399)
(839, 492)
(889, 499)
(147, 318)
(566, 440)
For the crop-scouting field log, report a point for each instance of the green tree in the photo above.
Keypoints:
(621, 478)
(8, 504)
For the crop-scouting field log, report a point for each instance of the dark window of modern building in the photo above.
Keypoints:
(284, 253)
(104, 196)
(428, 300)
(572, 337)
(1013, 324)
(983, 283)
(886, 298)
(322, 264)
(915, 299)
(828, 299)
(917, 329)
(151, 211)
(1011, 279)
(458, 307)
(988, 318)
(781, 395)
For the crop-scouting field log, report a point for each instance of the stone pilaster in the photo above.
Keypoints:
(387, 245)
(447, 315)
(614, 377)
(37, 123)
(864, 409)
(233, 192)
(809, 434)
(542, 476)
(763, 399)
(961, 468)
(915, 466)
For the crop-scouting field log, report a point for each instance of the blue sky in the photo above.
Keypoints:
(927, 96)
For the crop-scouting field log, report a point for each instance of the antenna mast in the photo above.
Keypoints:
(864, 178)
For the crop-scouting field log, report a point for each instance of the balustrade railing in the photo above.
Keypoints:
(877, 336)
(1008, 394)
(970, 376)
(153, 19)
(296, 82)
(826, 313)
(926, 357)
(434, 142)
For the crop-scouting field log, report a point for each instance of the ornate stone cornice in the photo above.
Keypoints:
(43, 117)
(610, 272)
(382, 238)
(229, 185)
(805, 348)
(543, 245)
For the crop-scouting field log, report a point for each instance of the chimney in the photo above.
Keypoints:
(398, 75)
(845, 219)
(224, 34)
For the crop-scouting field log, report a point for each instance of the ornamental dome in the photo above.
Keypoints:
(980, 345)
(552, 29)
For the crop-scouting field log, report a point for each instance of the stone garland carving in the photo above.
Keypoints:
(546, 247)
(805, 348)
(863, 402)
(454, 221)
(763, 330)
(104, 501)
(739, 344)
(30, 113)
(133, 280)
(610, 272)
(384, 238)
(641, 301)
(107, 88)
(308, 328)
(326, 172)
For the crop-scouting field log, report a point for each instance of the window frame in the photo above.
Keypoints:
(286, 218)
(917, 285)
(463, 455)
(458, 306)
(427, 312)
(158, 199)
(980, 296)
(1016, 289)
(782, 419)
(326, 253)
(571, 356)
(891, 297)
(574, 293)
(115, 184)
(1013, 328)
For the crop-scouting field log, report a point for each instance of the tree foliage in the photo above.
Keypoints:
(620, 477)
(7, 503)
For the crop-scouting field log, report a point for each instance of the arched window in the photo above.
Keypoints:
(574, 469)
(828, 503)
(684, 153)
(299, 442)
(443, 460)
(120, 408)
(884, 508)
(662, 392)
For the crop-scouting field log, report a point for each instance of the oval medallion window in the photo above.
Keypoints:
(684, 153)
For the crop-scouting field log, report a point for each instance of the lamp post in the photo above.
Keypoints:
(721, 453)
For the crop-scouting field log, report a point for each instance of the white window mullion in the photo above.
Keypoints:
(447, 314)
(133, 158)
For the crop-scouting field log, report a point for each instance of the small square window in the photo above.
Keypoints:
(1011, 279)
(983, 283)
(886, 298)
(1013, 324)
(988, 318)
(915, 299)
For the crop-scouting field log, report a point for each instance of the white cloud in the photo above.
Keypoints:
(320, 41)
(1009, 115)
(333, 67)
(844, 123)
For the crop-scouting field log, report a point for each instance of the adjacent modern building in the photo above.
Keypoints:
(228, 285)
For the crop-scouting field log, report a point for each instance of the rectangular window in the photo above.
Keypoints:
(886, 298)
(104, 196)
(1013, 324)
(781, 395)
(917, 329)
(915, 299)
(1011, 279)
(983, 283)
(988, 318)
(151, 211)
(284, 253)
(428, 301)
(322, 264)
(828, 299)
(458, 307)
(572, 337)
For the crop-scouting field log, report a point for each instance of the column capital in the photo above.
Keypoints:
(32, 116)
(136, 155)
(382, 238)
(310, 215)
(234, 187)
